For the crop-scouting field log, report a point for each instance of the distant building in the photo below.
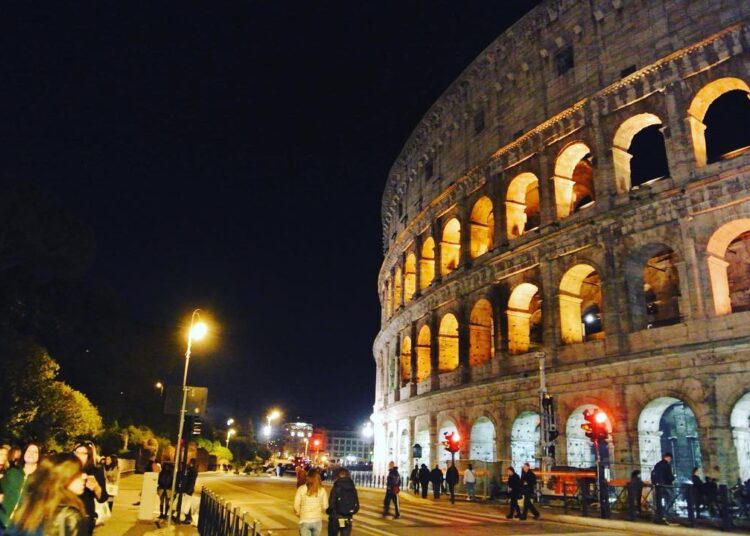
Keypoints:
(297, 436)
(345, 446)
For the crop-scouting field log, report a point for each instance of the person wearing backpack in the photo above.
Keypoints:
(451, 479)
(392, 489)
(343, 504)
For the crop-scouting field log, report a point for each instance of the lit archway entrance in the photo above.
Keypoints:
(524, 438)
(481, 333)
(423, 354)
(666, 424)
(405, 360)
(448, 344)
(446, 426)
(450, 247)
(639, 153)
(427, 264)
(740, 422)
(410, 277)
(728, 254)
(524, 318)
(482, 227)
(422, 438)
(522, 205)
(403, 452)
(483, 440)
(397, 289)
(581, 305)
(580, 449)
(574, 180)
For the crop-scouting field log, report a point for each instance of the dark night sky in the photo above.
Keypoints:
(233, 157)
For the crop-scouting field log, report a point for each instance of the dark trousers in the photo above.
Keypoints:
(528, 505)
(335, 530)
(436, 489)
(390, 496)
(452, 491)
(514, 508)
(425, 486)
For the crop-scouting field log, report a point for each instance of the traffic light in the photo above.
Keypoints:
(452, 442)
(595, 426)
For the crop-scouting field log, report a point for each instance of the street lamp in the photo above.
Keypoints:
(160, 387)
(274, 414)
(367, 430)
(230, 433)
(230, 422)
(198, 330)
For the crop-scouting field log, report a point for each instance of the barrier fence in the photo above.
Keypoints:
(216, 517)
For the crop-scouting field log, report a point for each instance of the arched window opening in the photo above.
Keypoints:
(387, 298)
(423, 354)
(450, 247)
(482, 227)
(404, 447)
(405, 360)
(524, 319)
(726, 123)
(446, 426)
(410, 277)
(740, 422)
(427, 264)
(397, 289)
(580, 448)
(649, 162)
(522, 205)
(661, 290)
(574, 180)
(482, 440)
(524, 437)
(729, 267)
(669, 425)
(422, 438)
(391, 446)
(581, 305)
(481, 333)
(448, 344)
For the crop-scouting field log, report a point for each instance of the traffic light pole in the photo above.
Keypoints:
(547, 427)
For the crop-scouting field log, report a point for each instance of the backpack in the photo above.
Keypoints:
(347, 502)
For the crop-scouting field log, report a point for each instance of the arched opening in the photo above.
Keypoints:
(581, 305)
(719, 131)
(579, 447)
(423, 354)
(661, 290)
(403, 452)
(639, 153)
(446, 426)
(481, 333)
(524, 319)
(391, 446)
(397, 289)
(522, 205)
(448, 344)
(483, 440)
(405, 360)
(574, 180)
(669, 425)
(728, 263)
(450, 247)
(524, 438)
(422, 438)
(482, 227)
(387, 298)
(427, 263)
(410, 277)
(740, 422)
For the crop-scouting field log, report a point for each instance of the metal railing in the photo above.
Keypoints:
(368, 479)
(216, 517)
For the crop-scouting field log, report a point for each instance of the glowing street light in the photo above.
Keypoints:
(272, 415)
(160, 387)
(230, 433)
(230, 422)
(367, 431)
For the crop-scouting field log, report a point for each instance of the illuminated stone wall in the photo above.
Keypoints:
(524, 215)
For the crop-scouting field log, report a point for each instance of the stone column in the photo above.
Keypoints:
(437, 235)
(563, 196)
(464, 218)
(518, 331)
(434, 441)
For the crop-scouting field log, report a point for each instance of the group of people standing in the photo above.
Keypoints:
(58, 493)
(421, 478)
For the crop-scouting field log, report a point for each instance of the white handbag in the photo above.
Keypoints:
(103, 513)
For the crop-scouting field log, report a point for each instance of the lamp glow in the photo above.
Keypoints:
(601, 417)
(198, 331)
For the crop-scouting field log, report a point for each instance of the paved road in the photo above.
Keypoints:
(269, 500)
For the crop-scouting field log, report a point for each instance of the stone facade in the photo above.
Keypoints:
(578, 192)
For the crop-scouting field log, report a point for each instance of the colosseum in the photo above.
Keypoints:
(581, 192)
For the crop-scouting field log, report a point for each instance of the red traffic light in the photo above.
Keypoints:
(452, 442)
(596, 424)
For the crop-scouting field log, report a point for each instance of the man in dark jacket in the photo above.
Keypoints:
(392, 489)
(528, 489)
(662, 478)
(414, 480)
(451, 479)
(424, 479)
(436, 477)
(514, 493)
(343, 503)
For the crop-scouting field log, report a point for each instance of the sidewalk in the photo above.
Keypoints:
(124, 521)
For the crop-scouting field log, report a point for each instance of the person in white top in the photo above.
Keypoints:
(470, 479)
(310, 503)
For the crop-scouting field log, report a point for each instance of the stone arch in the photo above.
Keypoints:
(579, 447)
(388, 299)
(422, 438)
(448, 343)
(424, 361)
(581, 303)
(427, 263)
(653, 286)
(631, 168)
(391, 446)
(410, 277)
(482, 440)
(403, 451)
(740, 423)
(574, 179)
(397, 288)
(446, 425)
(699, 107)
(522, 204)
(729, 274)
(481, 333)
(481, 227)
(524, 438)
(524, 318)
(667, 424)
(405, 360)
(450, 247)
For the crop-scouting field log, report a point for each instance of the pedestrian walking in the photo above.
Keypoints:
(392, 489)
(13, 483)
(436, 477)
(470, 481)
(187, 489)
(662, 478)
(343, 504)
(164, 487)
(414, 479)
(50, 504)
(279, 470)
(112, 476)
(635, 492)
(424, 479)
(451, 479)
(310, 503)
(514, 493)
(95, 490)
(528, 489)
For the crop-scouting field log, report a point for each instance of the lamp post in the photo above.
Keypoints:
(197, 331)
(160, 387)
(274, 414)
(230, 433)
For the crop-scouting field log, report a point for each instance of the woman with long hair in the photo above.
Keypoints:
(96, 484)
(50, 503)
(12, 484)
(310, 503)
(112, 474)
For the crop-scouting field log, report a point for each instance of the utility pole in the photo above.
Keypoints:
(547, 425)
